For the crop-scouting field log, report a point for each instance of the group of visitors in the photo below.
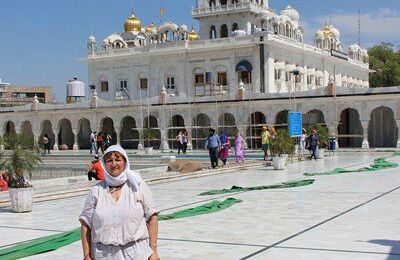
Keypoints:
(218, 147)
(311, 143)
(101, 140)
(266, 137)
(183, 139)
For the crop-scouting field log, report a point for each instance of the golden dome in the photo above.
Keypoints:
(151, 28)
(193, 36)
(327, 31)
(133, 24)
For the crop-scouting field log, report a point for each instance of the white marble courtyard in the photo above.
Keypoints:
(347, 216)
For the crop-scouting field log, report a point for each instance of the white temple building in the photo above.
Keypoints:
(248, 65)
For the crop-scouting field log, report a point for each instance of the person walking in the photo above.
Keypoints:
(265, 139)
(46, 144)
(213, 144)
(314, 142)
(239, 148)
(185, 139)
(302, 144)
(179, 138)
(99, 142)
(224, 152)
(93, 147)
(119, 219)
(107, 139)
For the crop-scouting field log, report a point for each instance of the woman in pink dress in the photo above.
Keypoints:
(239, 148)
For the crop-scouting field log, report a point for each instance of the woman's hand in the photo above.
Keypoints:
(154, 256)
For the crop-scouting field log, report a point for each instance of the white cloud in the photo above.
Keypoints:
(382, 25)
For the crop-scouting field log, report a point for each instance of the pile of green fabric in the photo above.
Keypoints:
(211, 207)
(379, 164)
(284, 185)
(54, 242)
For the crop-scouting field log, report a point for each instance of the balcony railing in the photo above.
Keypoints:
(202, 90)
(196, 12)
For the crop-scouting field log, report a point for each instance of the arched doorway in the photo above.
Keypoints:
(382, 128)
(313, 118)
(257, 120)
(107, 127)
(129, 133)
(150, 122)
(47, 129)
(213, 32)
(282, 120)
(201, 126)
(224, 31)
(177, 125)
(227, 123)
(84, 134)
(350, 129)
(26, 130)
(243, 70)
(9, 129)
(65, 134)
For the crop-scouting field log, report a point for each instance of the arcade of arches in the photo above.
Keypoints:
(380, 129)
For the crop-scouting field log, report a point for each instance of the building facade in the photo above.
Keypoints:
(247, 66)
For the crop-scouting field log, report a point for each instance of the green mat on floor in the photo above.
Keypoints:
(284, 185)
(379, 164)
(54, 242)
(213, 206)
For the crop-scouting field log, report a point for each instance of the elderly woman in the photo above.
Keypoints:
(119, 219)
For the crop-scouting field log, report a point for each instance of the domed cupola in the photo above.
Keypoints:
(291, 13)
(151, 29)
(133, 24)
(193, 36)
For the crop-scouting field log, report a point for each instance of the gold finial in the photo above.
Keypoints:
(193, 36)
(133, 24)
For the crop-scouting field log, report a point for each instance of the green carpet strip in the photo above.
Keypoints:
(284, 185)
(211, 207)
(54, 242)
(379, 164)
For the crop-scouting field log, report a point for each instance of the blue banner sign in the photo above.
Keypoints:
(295, 123)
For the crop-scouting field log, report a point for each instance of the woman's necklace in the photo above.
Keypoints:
(116, 188)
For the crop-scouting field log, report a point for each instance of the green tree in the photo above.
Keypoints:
(385, 61)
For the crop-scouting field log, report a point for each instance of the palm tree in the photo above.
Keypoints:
(23, 155)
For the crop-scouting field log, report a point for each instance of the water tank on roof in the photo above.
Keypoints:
(75, 91)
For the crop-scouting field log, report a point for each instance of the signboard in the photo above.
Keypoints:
(295, 123)
(339, 54)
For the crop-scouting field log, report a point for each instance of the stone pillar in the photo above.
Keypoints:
(55, 147)
(75, 147)
(365, 144)
(190, 141)
(164, 141)
(141, 143)
(36, 135)
(269, 67)
(118, 131)
(398, 136)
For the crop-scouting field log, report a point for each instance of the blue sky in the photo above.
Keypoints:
(41, 40)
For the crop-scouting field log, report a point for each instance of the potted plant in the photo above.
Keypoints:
(23, 157)
(281, 146)
(148, 135)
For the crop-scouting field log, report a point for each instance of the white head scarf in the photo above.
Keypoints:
(127, 175)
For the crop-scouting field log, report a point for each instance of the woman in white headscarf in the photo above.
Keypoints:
(119, 219)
